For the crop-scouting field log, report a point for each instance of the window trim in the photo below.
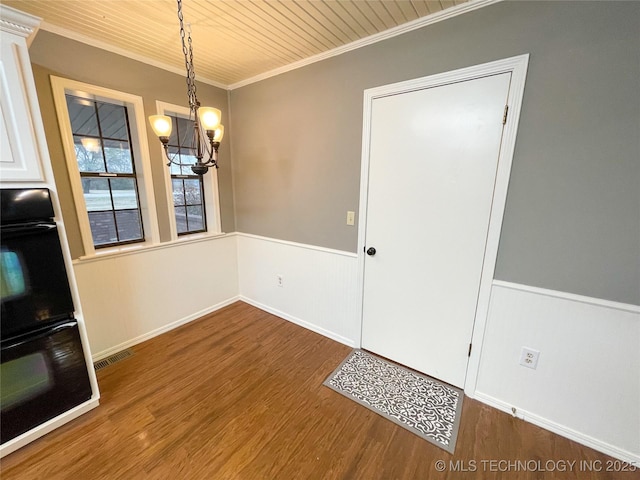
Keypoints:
(138, 131)
(210, 183)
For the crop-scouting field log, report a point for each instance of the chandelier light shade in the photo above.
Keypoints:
(209, 117)
(207, 129)
(161, 125)
(218, 134)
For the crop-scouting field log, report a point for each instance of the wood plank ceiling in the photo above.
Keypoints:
(233, 40)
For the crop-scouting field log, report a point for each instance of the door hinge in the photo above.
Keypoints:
(506, 112)
(469, 354)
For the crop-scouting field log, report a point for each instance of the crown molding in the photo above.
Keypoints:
(363, 42)
(371, 39)
(17, 22)
(78, 37)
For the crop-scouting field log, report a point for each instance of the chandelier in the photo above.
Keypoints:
(207, 130)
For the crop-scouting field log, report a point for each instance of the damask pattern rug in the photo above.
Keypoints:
(420, 404)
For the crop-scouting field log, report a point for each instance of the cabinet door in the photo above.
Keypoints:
(20, 159)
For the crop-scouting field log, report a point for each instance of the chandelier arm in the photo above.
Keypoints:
(172, 159)
(206, 148)
(212, 149)
(173, 162)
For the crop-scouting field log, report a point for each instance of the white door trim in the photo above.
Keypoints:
(517, 66)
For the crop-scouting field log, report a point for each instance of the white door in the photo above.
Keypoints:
(432, 170)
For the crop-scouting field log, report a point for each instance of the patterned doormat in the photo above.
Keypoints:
(416, 402)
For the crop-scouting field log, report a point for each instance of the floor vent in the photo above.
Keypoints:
(111, 359)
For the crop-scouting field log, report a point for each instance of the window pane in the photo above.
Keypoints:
(103, 228)
(178, 191)
(118, 156)
(182, 145)
(175, 134)
(192, 191)
(96, 194)
(195, 218)
(185, 130)
(123, 191)
(182, 132)
(129, 227)
(88, 154)
(82, 113)
(186, 170)
(175, 169)
(187, 156)
(181, 219)
(113, 120)
(175, 156)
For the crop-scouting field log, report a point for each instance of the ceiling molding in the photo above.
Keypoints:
(17, 22)
(375, 38)
(63, 32)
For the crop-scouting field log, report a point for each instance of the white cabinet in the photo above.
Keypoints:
(20, 159)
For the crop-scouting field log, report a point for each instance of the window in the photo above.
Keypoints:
(194, 198)
(105, 145)
(105, 162)
(187, 187)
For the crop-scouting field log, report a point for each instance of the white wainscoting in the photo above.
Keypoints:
(319, 285)
(130, 297)
(587, 383)
(586, 386)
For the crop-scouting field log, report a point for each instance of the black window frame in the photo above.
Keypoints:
(185, 141)
(108, 176)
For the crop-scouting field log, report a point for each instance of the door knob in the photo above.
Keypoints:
(371, 251)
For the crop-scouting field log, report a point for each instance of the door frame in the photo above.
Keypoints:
(517, 66)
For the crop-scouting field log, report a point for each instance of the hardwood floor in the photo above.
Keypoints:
(238, 395)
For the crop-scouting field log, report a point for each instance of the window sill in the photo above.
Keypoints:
(146, 247)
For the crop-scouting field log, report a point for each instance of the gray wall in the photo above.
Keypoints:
(55, 55)
(572, 220)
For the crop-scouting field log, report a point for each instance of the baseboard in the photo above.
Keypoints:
(158, 331)
(300, 322)
(559, 429)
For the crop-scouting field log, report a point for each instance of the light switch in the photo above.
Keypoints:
(351, 218)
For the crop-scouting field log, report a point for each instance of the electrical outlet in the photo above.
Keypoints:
(280, 280)
(351, 218)
(529, 357)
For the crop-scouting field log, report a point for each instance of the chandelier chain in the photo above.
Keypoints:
(205, 141)
(187, 50)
